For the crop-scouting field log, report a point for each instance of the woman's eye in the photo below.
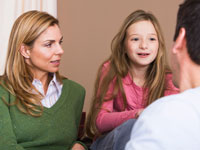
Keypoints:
(48, 45)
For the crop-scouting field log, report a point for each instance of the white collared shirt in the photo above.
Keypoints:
(170, 123)
(53, 92)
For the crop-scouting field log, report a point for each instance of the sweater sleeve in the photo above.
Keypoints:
(7, 136)
(80, 92)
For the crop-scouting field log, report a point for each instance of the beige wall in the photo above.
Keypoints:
(88, 27)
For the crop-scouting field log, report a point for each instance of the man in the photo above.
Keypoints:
(173, 122)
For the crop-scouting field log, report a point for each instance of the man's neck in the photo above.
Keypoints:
(190, 76)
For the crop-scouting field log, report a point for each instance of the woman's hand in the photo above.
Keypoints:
(138, 113)
(78, 146)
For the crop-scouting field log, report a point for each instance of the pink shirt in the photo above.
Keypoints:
(112, 114)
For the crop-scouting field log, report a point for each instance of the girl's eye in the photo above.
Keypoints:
(134, 39)
(152, 39)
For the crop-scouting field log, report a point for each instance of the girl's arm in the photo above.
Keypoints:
(108, 119)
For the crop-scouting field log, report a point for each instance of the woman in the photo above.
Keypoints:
(39, 108)
(134, 76)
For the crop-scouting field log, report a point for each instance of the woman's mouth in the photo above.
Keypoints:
(55, 62)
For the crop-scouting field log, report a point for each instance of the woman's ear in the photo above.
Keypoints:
(24, 51)
(180, 42)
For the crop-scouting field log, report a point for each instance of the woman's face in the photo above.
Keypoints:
(45, 56)
(141, 43)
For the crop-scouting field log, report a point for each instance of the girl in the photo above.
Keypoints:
(134, 76)
(37, 105)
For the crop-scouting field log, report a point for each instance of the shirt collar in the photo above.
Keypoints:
(54, 81)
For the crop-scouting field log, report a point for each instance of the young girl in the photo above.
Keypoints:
(39, 109)
(134, 76)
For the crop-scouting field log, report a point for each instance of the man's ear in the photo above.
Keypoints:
(24, 51)
(180, 42)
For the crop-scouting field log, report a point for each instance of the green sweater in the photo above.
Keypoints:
(56, 129)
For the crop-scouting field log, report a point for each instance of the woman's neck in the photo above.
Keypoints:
(45, 80)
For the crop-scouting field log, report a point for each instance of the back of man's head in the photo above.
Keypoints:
(189, 18)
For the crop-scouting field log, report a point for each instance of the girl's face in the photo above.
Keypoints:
(141, 43)
(46, 53)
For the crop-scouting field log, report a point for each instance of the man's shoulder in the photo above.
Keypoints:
(185, 97)
(178, 104)
(169, 122)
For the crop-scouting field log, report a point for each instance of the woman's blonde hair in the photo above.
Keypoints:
(120, 66)
(17, 78)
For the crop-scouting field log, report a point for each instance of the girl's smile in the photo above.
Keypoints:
(141, 43)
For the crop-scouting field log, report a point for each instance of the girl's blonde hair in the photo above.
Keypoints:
(17, 78)
(120, 66)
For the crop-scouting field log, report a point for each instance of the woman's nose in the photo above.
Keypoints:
(59, 50)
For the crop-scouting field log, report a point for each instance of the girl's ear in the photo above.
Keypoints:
(180, 42)
(24, 51)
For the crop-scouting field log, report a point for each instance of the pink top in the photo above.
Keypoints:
(112, 114)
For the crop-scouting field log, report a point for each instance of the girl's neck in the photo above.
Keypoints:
(139, 75)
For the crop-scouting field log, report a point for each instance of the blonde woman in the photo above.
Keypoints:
(39, 109)
(134, 76)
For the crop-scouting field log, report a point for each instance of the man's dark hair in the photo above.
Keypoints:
(189, 18)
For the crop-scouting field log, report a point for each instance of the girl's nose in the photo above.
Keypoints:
(143, 44)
